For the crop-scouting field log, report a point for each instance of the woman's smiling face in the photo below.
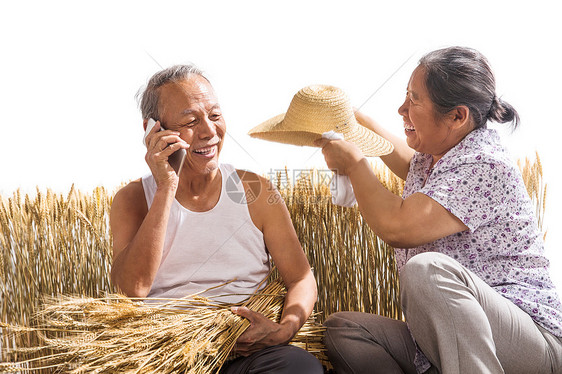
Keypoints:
(424, 129)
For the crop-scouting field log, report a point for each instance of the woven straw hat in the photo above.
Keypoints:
(315, 110)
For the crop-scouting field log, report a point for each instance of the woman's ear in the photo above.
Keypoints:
(459, 117)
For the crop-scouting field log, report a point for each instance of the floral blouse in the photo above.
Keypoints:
(478, 183)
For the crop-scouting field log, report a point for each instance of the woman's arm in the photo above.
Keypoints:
(402, 223)
(399, 160)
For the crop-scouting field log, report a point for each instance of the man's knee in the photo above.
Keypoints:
(278, 359)
(288, 359)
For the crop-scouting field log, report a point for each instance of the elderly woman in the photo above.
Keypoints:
(474, 280)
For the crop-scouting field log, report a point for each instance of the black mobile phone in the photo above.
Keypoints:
(177, 158)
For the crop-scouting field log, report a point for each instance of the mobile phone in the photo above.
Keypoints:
(177, 158)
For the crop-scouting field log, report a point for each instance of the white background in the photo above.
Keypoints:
(69, 72)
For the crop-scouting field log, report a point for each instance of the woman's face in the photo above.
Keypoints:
(424, 131)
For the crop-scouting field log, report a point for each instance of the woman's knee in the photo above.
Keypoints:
(345, 328)
(418, 280)
(355, 340)
(340, 329)
(342, 319)
(419, 269)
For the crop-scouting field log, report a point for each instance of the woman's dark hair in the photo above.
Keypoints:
(462, 76)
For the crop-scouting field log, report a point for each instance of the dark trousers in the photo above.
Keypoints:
(360, 343)
(279, 359)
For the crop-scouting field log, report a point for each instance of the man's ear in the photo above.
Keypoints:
(459, 117)
(145, 123)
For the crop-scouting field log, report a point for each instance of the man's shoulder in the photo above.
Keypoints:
(258, 189)
(129, 204)
(131, 193)
(265, 203)
(248, 176)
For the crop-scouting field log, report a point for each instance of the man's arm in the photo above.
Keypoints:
(139, 232)
(138, 237)
(271, 216)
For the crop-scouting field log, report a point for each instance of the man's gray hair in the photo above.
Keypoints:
(148, 98)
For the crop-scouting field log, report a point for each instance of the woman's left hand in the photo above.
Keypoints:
(340, 155)
(262, 332)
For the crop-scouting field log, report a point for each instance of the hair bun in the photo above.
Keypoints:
(502, 112)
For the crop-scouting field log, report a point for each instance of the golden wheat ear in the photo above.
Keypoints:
(53, 245)
(116, 333)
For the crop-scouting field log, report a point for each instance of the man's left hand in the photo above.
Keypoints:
(262, 332)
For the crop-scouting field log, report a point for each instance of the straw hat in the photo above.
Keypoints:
(315, 110)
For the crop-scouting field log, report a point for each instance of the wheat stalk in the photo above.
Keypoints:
(52, 245)
(115, 333)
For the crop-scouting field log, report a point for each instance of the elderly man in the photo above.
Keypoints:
(175, 234)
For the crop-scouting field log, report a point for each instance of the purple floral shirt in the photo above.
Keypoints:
(478, 183)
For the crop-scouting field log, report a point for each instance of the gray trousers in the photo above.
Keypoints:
(460, 323)
(278, 359)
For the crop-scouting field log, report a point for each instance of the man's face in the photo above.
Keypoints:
(191, 107)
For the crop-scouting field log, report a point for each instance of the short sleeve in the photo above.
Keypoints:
(476, 193)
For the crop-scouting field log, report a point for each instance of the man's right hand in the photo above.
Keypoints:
(160, 146)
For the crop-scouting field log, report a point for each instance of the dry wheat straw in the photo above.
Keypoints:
(353, 268)
(536, 187)
(53, 245)
(118, 334)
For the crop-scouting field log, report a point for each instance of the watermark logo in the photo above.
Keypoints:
(243, 192)
(244, 187)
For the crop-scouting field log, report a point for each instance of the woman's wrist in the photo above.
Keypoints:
(356, 167)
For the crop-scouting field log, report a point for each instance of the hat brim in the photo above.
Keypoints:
(370, 143)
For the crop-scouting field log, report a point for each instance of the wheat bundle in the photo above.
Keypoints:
(119, 334)
(52, 244)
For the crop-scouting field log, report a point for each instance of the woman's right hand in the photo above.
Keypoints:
(160, 146)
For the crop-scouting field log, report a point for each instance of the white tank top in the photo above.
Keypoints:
(205, 249)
